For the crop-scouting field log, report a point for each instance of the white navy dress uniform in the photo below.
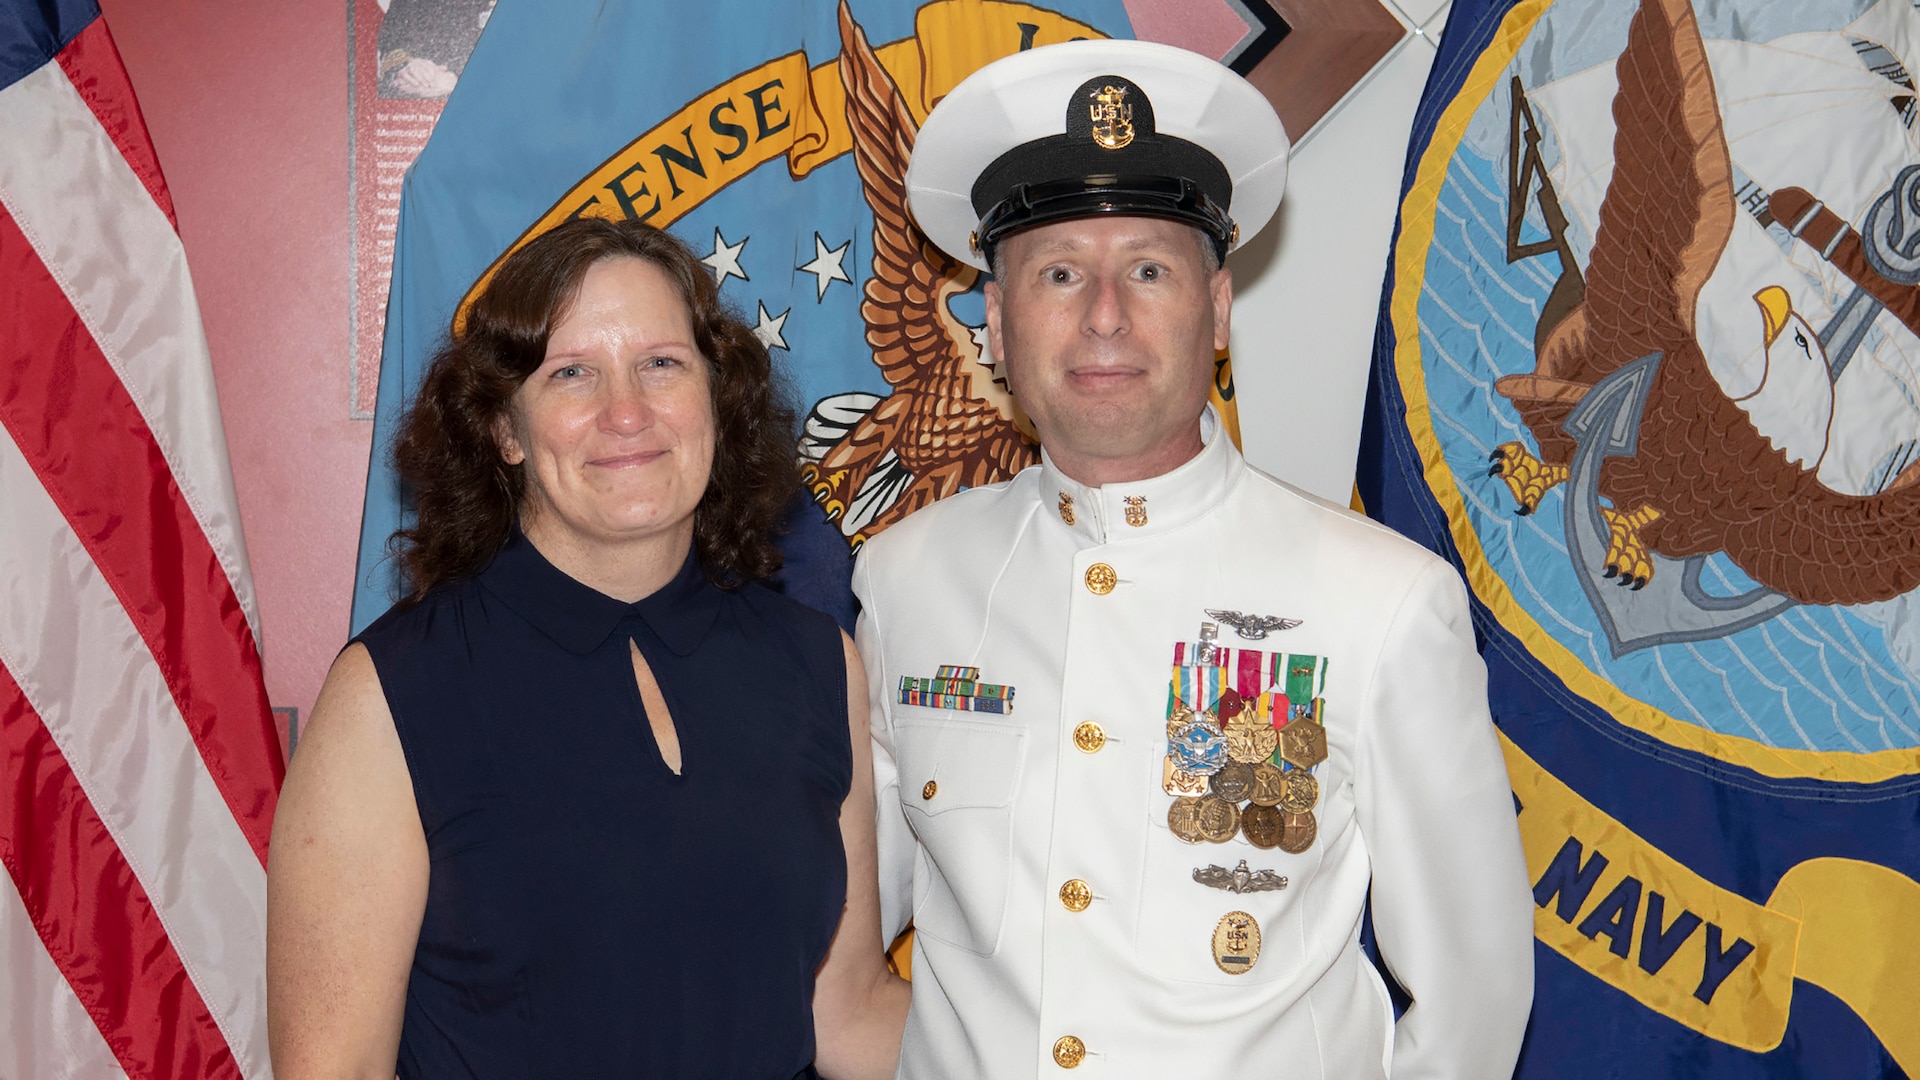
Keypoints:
(1027, 644)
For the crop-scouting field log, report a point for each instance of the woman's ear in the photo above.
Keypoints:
(509, 445)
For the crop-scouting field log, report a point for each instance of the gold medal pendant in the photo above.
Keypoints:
(1250, 741)
(1175, 781)
(1303, 743)
(1236, 943)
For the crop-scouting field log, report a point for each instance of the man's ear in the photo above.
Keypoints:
(992, 293)
(509, 444)
(1222, 289)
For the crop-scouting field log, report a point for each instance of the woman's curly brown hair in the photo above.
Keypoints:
(466, 497)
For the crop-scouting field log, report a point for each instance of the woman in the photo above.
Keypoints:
(577, 807)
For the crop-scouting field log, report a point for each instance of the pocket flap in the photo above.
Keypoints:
(953, 764)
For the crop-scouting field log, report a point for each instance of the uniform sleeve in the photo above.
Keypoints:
(895, 839)
(1452, 911)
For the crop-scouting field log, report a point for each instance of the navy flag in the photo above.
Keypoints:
(1648, 372)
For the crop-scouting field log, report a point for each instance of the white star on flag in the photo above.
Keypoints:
(725, 260)
(769, 329)
(825, 266)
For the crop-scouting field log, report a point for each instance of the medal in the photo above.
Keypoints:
(1300, 792)
(1198, 748)
(1233, 783)
(1219, 819)
(1175, 782)
(1268, 783)
(1183, 818)
(1297, 832)
(1236, 943)
(1249, 740)
(1303, 743)
(1261, 825)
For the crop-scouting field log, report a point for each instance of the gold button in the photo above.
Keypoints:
(1089, 738)
(1069, 1052)
(1075, 895)
(1101, 579)
(930, 790)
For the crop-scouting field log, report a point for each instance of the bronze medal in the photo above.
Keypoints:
(1176, 782)
(1219, 819)
(1297, 832)
(1248, 740)
(1301, 792)
(1236, 943)
(1303, 743)
(1261, 825)
(1233, 783)
(1183, 818)
(1268, 784)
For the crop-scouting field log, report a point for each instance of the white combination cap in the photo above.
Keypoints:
(1096, 127)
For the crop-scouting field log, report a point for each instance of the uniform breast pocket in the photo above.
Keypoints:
(957, 781)
(1204, 931)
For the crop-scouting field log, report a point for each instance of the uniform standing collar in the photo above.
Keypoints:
(580, 618)
(1139, 508)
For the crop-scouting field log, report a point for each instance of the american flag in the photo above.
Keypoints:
(138, 761)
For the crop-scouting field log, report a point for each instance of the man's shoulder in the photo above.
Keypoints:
(953, 533)
(1343, 531)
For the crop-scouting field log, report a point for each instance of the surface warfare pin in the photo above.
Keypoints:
(1240, 879)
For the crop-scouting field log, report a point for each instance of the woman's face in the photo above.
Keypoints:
(616, 425)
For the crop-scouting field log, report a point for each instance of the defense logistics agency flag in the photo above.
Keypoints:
(1648, 372)
(138, 762)
(772, 138)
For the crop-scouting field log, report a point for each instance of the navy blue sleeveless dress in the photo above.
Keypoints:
(589, 913)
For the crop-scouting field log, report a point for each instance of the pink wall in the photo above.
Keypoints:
(247, 105)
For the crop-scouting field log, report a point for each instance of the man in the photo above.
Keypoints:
(1147, 722)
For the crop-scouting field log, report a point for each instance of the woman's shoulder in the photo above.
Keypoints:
(417, 624)
(772, 609)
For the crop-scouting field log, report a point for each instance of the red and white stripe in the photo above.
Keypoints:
(138, 759)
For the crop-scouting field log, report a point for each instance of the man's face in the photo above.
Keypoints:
(1107, 326)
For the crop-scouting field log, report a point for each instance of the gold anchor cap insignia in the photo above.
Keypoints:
(1112, 117)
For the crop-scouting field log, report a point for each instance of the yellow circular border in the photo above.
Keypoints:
(1417, 214)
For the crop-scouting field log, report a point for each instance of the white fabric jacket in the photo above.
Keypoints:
(984, 817)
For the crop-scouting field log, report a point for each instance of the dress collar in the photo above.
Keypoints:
(1142, 508)
(580, 618)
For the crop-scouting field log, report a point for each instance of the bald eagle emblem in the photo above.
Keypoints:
(1252, 627)
(1677, 390)
(949, 422)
